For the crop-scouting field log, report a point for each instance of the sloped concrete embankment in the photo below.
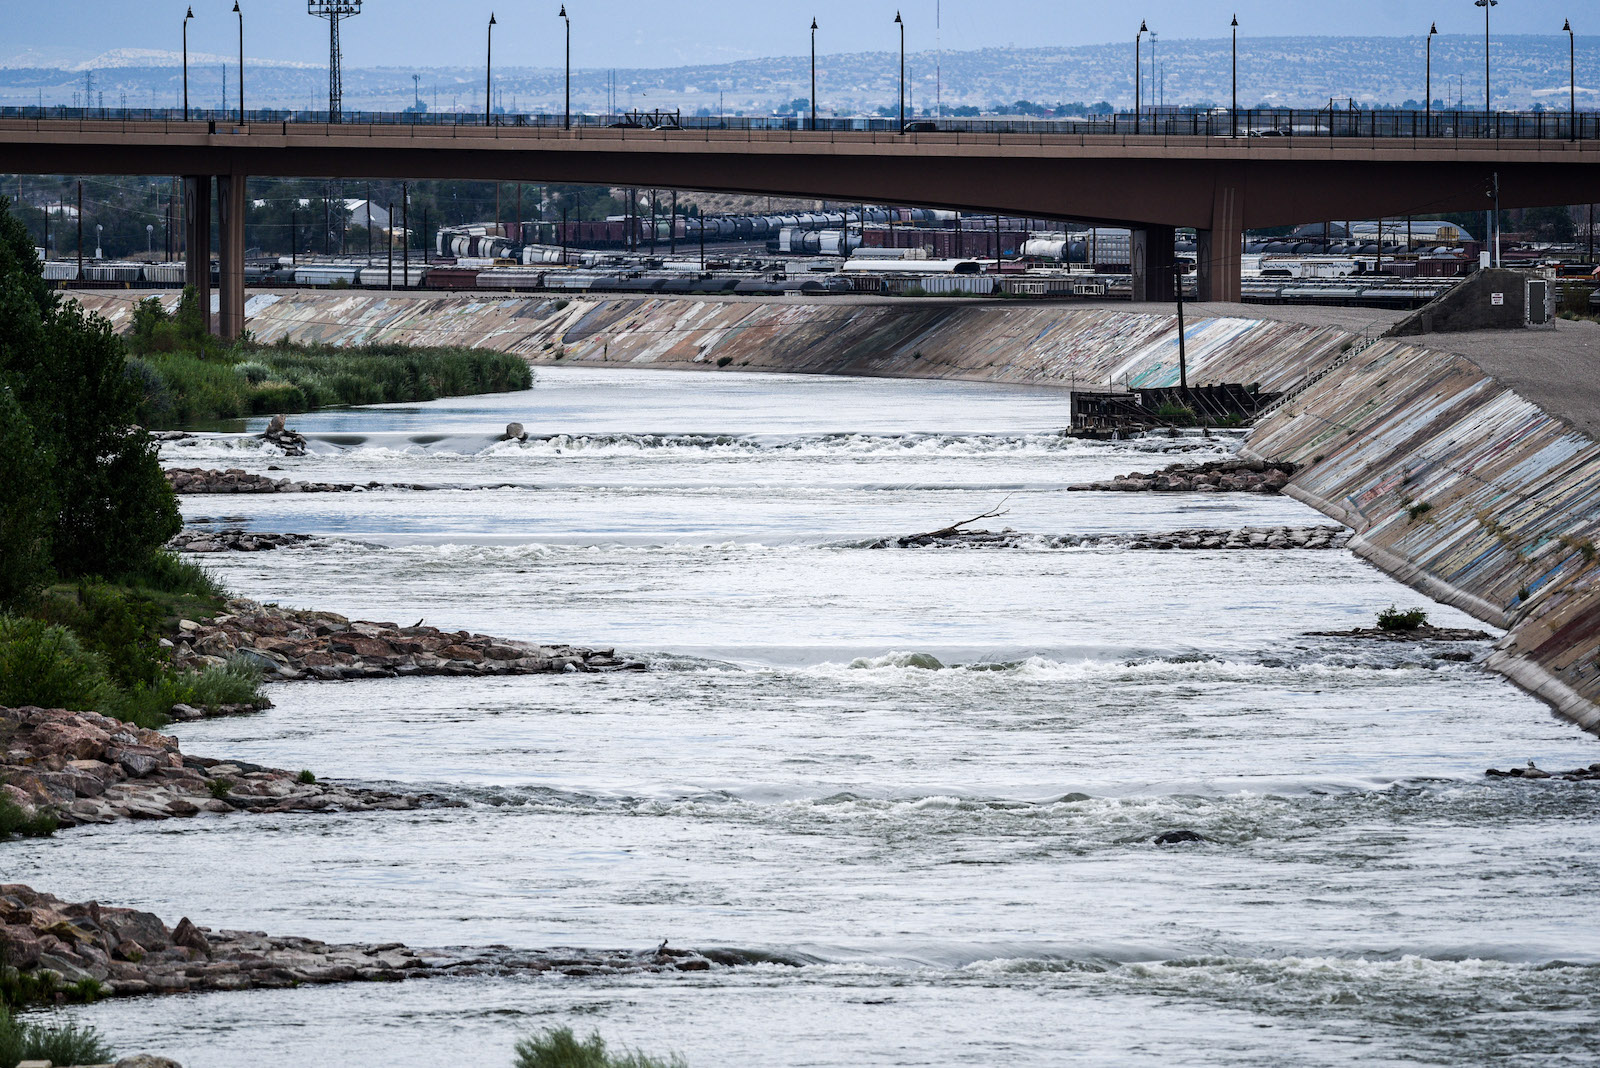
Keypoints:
(1466, 491)
(1032, 344)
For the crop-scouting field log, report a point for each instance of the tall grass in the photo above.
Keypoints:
(557, 1047)
(68, 1044)
(183, 387)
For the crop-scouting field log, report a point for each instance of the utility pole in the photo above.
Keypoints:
(369, 222)
(80, 232)
(1183, 352)
(673, 231)
(390, 244)
(405, 235)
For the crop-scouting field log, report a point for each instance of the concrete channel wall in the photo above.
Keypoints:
(1461, 488)
(1454, 484)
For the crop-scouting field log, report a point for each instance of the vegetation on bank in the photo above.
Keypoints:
(185, 377)
(86, 588)
(1394, 619)
(68, 1044)
(558, 1047)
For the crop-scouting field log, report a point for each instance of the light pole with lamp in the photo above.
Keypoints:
(149, 241)
(813, 73)
(99, 254)
(236, 11)
(898, 21)
(1488, 109)
(186, 19)
(1138, 75)
(1572, 67)
(562, 15)
(1427, 84)
(1235, 77)
(488, 77)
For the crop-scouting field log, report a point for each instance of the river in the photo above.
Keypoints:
(918, 787)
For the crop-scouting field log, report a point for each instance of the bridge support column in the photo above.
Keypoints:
(1219, 248)
(197, 239)
(1150, 253)
(230, 228)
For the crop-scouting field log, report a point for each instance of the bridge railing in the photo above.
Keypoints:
(1286, 125)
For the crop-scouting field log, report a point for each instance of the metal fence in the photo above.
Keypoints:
(1324, 123)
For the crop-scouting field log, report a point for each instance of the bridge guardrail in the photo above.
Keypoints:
(1279, 127)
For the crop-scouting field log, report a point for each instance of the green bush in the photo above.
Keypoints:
(306, 776)
(44, 665)
(1175, 414)
(557, 1047)
(220, 787)
(119, 625)
(67, 1044)
(168, 573)
(15, 821)
(259, 380)
(1392, 618)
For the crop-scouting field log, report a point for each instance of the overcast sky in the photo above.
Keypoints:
(648, 33)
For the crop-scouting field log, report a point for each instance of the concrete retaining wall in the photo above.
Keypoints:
(1466, 491)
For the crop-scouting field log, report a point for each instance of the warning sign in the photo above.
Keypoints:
(1497, 299)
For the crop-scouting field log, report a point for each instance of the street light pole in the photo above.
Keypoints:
(1427, 85)
(236, 11)
(813, 74)
(1138, 75)
(901, 23)
(488, 76)
(186, 19)
(1488, 108)
(562, 15)
(1236, 75)
(1572, 67)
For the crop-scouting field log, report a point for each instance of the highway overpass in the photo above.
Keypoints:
(1152, 183)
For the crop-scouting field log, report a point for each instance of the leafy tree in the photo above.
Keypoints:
(112, 506)
(25, 507)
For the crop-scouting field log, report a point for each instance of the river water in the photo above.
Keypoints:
(920, 786)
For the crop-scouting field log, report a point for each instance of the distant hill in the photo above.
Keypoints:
(1298, 71)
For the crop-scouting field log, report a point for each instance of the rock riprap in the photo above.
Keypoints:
(128, 952)
(234, 540)
(290, 644)
(1588, 774)
(1424, 633)
(83, 767)
(1216, 476)
(1278, 538)
(195, 480)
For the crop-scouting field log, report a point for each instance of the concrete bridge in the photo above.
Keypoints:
(1220, 185)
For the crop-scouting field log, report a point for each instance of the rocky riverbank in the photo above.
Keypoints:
(126, 952)
(290, 644)
(234, 540)
(1217, 476)
(82, 767)
(1248, 538)
(193, 480)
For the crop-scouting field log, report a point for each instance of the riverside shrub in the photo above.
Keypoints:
(67, 1044)
(557, 1047)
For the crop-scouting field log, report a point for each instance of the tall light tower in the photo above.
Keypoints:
(333, 11)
